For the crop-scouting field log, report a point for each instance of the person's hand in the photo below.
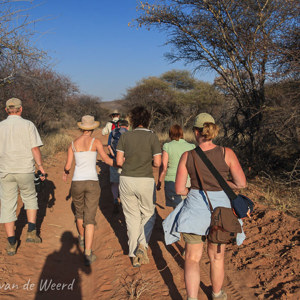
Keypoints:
(65, 176)
(43, 175)
(158, 186)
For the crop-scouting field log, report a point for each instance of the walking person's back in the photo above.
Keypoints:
(114, 173)
(85, 188)
(19, 151)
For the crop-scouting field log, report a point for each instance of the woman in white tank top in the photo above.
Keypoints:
(85, 189)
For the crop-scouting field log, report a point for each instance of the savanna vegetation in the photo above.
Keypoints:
(253, 48)
(51, 100)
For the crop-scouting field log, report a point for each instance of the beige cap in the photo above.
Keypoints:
(13, 103)
(88, 123)
(115, 112)
(203, 118)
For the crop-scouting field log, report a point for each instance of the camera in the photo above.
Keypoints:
(38, 183)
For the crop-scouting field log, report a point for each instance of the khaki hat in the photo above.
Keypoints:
(203, 118)
(115, 112)
(88, 123)
(13, 103)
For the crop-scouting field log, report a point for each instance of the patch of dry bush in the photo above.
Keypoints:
(135, 286)
(54, 143)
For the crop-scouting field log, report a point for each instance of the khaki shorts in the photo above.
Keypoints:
(191, 238)
(85, 197)
(9, 186)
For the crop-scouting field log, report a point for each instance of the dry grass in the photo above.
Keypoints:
(54, 143)
(278, 194)
(135, 286)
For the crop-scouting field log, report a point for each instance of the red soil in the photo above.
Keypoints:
(266, 266)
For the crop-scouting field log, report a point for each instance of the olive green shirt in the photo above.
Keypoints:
(139, 146)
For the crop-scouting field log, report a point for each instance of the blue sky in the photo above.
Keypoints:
(91, 43)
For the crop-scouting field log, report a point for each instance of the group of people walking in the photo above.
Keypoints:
(132, 155)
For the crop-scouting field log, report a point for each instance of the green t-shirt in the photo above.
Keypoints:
(175, 149)
(139, 147)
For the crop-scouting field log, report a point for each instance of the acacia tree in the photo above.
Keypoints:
(239, 40)
(16, 33)
(175, 96)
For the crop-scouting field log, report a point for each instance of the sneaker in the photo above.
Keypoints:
(222, 296)
(89, 259)
(141, 253)
(32, 237)
(11, 249)
(136, 262)
(81, 241)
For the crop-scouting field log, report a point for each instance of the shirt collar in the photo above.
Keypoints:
(142, 128)
(13, 116)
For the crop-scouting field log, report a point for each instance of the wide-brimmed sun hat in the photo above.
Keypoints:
(88, 123)
(203, 118)
(13, 103)
(115, 112)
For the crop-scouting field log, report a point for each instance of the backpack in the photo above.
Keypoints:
(115, 124)
(115, 136)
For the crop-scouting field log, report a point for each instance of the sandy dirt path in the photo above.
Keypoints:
(54, 270)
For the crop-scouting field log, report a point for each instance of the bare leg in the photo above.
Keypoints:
(89, 236)
(80, 228)
(31, 215)
(216, 266)
(10, 228)
(193, 255)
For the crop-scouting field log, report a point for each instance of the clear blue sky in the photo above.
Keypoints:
(91, 43)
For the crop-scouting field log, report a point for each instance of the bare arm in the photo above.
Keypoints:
(181, 176)
(238, 177)
(102, 153)
(157, 160)
(110, 150)
(68, 164)
(120, 158)
(163, 169)
(36, 152)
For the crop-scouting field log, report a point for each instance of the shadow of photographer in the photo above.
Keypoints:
(60, 278)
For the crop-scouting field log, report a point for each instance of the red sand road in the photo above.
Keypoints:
(266, 266)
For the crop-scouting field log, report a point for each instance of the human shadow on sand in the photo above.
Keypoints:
(161, 263)
(106, 205)
(46, 202)
(60, 277)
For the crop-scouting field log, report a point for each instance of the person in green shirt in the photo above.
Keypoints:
(138, 151)
(172, 152)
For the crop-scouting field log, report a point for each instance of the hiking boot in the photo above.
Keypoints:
(32, 237)
(81, 241)
(89, 259)
(141, 253)
(222, 296)
(11, 249)
(136, 262)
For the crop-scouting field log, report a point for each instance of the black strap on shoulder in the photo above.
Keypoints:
(224, 185)
(201, 180)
